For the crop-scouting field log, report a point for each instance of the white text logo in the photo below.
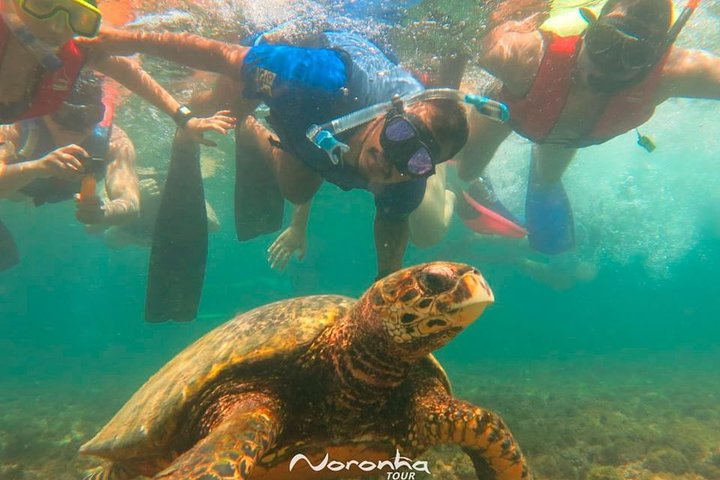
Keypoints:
(398, 463)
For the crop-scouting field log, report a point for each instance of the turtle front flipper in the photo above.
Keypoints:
(439, 418)
(247, 429)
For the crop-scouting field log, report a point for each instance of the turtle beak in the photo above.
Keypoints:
(478, 297)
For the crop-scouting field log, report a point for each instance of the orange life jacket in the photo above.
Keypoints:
(55, 86)
(535, 115)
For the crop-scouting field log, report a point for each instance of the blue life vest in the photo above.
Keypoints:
(339, 73)
(53, 190)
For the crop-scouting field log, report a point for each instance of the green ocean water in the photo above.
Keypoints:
(605, 364)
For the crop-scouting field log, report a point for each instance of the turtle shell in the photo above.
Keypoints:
(148, 422)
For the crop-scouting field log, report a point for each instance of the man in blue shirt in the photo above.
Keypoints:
(330, 75)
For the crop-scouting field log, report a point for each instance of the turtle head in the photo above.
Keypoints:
(420, 309)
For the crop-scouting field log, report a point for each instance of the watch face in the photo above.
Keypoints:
(182, 115)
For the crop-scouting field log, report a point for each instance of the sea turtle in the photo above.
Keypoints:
(329, 377)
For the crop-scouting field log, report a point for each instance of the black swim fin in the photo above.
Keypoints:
(9, 255)
(180, 240)
(259, 203)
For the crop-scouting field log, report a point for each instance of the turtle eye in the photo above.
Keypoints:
(435, 283)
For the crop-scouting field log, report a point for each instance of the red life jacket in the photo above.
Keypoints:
(55, 86)
(536, 115)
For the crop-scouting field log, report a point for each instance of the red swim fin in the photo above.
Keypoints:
(488, 222)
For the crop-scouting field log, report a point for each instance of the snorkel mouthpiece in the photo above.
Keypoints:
(487, 107)
(324, 140)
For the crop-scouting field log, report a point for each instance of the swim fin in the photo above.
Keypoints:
(548, 216)
(259, 203)
(180, 240)
(482, 212)
(9, 255)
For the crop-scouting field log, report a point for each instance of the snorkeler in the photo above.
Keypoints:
(329, 106)
(566, 93)
(40, 61)
(46, 159)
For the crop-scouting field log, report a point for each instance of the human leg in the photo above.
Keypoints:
(548, 214)
(430, 221)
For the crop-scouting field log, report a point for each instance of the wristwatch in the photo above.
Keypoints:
(182, 115)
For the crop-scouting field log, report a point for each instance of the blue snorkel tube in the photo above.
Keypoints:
(323, 136)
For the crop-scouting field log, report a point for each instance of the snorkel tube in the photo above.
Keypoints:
(323, 136)
(680, 22)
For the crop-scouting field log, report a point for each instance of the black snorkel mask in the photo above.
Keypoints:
(620, 50)
(79, 118)
(408, 143)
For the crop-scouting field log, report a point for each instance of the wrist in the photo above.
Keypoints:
(182, 116)
(39, 168)
(297, 226)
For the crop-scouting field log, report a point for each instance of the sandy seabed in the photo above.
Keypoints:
(630, 416)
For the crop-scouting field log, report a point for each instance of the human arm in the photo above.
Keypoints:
(511, 53)
(394, 205)
(62, 162)
(690, 74)
(121, 186)
(293, 239)
(186, 49)
(129, 74)
(225, 94)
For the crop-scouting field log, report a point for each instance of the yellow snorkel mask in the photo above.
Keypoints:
(83, 16)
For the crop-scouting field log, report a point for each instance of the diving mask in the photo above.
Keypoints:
(611, 48)
(409, 144)
(83, 17)
(79, 118)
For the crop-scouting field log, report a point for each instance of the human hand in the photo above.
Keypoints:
(290, 241)
(222, 122)
(64, 162)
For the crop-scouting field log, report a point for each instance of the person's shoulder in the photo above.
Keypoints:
(512, 54)
(516, 35)
(509, 44)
